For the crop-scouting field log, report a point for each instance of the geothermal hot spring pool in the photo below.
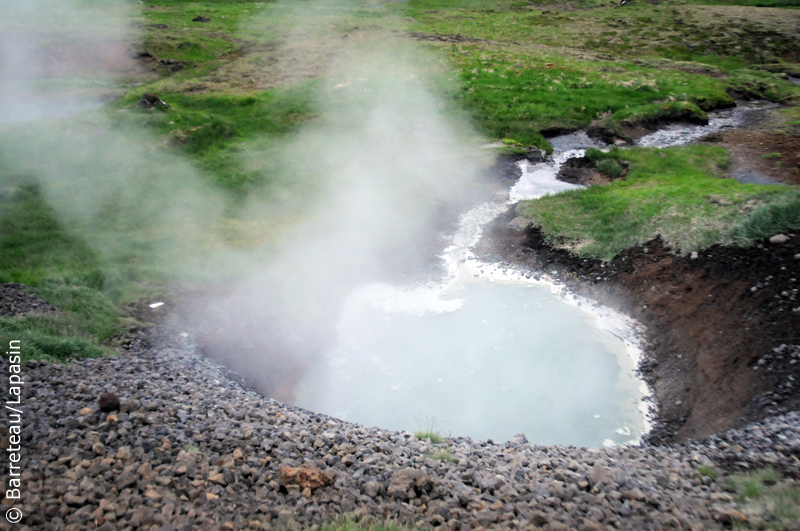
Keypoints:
(488, 353)
(492, 351)
(487, 360)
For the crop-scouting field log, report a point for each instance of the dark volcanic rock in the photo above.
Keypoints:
(194, 448)
(14, 300)
(109, 402)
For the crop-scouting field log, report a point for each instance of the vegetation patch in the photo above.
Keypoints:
(768, 500)
(676, 193)
(60, 269)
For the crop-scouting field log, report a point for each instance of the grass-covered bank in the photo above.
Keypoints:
(62, 269)
(675, 193)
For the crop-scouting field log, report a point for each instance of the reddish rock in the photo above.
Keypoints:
(305, 476)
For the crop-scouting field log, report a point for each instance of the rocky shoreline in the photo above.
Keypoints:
(194, 448)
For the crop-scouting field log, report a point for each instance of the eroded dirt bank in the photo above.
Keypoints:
(723, 328)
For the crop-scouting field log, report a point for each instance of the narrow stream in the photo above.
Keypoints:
(492, 351)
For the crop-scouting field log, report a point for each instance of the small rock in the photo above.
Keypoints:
(519, 223)
(123, 453)
(125, 480)
(373, 489)
(407, 480)
(109, 402)
(304, 476)
(535, 154)
(731, 516)
(74, 500)
(694, 255)
(85, 411)
(779, 238)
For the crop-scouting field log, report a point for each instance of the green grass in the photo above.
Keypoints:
(62, 269)
(518, 96)
(214, 130)
(777, 213)
(675, 193)
(368, 524)
(708, 471)
(444, 456)
(610, 168)
(428, 430)
(765, 492)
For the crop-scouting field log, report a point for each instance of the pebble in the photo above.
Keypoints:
(196, 449)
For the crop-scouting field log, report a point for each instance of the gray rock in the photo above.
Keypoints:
(519, 224)
(779, 238)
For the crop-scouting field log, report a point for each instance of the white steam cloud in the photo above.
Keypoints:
(384, 169)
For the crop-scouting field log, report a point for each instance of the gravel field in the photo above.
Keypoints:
(193, 448)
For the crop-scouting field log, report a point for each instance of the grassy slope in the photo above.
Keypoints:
(675, 193)
(240, 83)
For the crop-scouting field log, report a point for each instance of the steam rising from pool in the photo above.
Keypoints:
(488, 352)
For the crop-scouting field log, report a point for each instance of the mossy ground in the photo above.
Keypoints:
(246, 79)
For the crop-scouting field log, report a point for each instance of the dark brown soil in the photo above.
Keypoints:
(774, 155)
(581, 170)
(713, 322)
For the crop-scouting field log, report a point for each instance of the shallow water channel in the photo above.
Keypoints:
(491, 352)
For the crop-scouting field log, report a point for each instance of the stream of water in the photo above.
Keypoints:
(492, 351)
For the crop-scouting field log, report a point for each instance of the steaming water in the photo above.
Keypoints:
(486, 360)
(493, 351)
(488, 353)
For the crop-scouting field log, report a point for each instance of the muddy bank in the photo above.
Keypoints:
(717, 324)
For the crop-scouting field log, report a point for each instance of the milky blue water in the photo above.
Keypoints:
(501, 359)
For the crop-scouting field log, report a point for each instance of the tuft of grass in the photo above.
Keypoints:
(765, 492)
(365, 524)
(62, 269)
(708, 471)
(428, 429)
(656, 113)
(775, 214)
(34, 246)
(217, 130)
(443, 455)
(596, 155)
(610, 168)
(52, 338)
